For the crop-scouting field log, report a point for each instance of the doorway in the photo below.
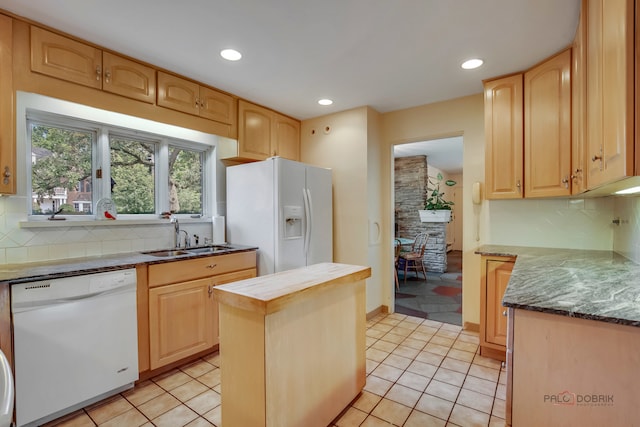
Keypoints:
(419, 168)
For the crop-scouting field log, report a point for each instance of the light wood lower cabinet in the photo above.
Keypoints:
(180, 315)
(495, 275)
(181, 321)
(569, 371)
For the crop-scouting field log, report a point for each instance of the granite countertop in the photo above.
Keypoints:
(590, 284)
(36, 271)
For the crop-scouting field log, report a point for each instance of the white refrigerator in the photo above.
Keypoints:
(284, 208)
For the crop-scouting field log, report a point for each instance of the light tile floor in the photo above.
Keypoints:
(419, 373)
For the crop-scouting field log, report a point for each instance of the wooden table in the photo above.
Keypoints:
(292, 345)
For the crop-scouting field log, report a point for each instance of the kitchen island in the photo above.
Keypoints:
(573, 341)
(292, 345)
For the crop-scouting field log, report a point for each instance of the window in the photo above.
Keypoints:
(133, 175)
(75, 163)
(60, 167)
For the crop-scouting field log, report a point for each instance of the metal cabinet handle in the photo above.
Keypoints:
(107, 76)
(210, 290)
(98, 72)
(518, 186)
(565, 181)
(212, 266)
(577, 172)
(596, 158)
(504, 313)
(6, 175)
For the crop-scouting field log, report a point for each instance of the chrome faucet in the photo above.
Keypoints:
(176, 234)
(187, 240)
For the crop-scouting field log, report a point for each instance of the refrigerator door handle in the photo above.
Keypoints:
(307, 207)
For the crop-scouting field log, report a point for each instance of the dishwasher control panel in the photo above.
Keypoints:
(31, 294)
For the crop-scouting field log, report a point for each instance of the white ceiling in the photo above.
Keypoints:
(388, 54)
(445, 153)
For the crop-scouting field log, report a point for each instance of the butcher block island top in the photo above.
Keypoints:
(292, 345)
(268, 294)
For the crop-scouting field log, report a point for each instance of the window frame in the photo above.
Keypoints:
(100, 159)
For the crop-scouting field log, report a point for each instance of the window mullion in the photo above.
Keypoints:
(103, 185)
(162, 178)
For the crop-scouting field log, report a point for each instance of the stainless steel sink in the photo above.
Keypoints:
(208, 249)
(167, 253)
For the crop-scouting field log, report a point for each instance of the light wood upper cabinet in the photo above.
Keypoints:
(547, 128)
(254, 132)
(264, 133)
(67, 59)
(178, 94)
(287, 137)
(610, 94)
(7, 115)
(503, 103)
(579, 106)
(189, 97)
(63, 58)
(218, 106)
(495, 275)
(128, 78)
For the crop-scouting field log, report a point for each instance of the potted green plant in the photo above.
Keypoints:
(436, 208)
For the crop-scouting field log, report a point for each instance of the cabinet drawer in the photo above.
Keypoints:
(181, 271)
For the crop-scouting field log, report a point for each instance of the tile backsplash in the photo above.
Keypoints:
(18, 245)
(557, 223)
(627, 235)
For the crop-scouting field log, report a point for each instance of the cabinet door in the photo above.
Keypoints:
(286, 138)
(178, 94)
(66, 59)
(503, 129)
(7, 119)
(547, 128)
(254, 133)
(181, 321)
(579, 106)
(498, 274)
(128, 78)
(217, 106)
(610, 98)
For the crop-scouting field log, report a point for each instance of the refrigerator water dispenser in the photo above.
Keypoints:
(292, 221)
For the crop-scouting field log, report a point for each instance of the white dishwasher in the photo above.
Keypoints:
(75, 342)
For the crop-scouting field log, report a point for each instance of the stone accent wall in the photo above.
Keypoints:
(410, 186)
(435, 253)
(410, 190)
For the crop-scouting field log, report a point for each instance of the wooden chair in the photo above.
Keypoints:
(398, 247)
(413, 259)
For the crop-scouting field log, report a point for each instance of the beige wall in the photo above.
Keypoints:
(462, 116)
(359, 148)
(349, 143)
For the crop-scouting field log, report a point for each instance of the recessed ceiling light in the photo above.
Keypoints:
(230, 54)
(632, 190)
(472, 63)
(325, 102)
